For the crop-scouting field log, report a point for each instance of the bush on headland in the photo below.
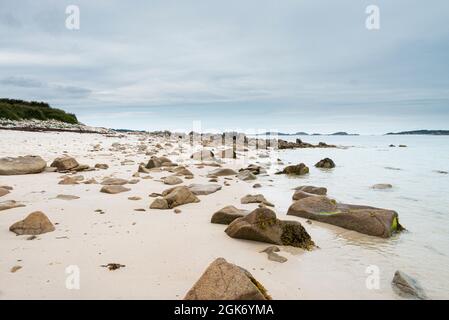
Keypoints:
(12, 109)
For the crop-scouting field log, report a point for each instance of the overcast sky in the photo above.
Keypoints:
(287, 65)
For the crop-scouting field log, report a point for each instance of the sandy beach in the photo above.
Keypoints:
(163, 252)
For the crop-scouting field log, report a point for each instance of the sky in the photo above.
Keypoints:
(289, 66)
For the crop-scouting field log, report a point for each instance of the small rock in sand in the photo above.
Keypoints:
(10, 204)
(204, 189)
(114, 182)
(113, 266)
(172, 180)
(66, 197)
(35, 223)
(273, 256)
(65, 163)
(134, 198)
(257, 198)
(15, 268)
(114, 189)
(3, 192)
(257, 185)
(102, 166)
(221, 172)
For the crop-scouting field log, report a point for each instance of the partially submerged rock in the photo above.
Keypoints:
(204, 189)
(364, 219)
(21, 165)
(325, 163)
(312, 189)
(263, 226)
(299, 170)
(406, 286)
(225, 281)
(382, 186)
(228, 214)
(114, 189)
(35, 223)
(254, 169)
(256, 198)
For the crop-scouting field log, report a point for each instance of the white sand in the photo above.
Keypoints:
(164, 253)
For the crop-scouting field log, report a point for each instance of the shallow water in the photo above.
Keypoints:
(419, 195)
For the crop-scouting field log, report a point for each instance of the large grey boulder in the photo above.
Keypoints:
(21, 165)
(226, 281)
(364, 219)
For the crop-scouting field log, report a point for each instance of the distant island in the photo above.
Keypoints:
(12, 109)
(422, 132)
(340, 133)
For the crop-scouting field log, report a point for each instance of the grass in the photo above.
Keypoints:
(12, 109)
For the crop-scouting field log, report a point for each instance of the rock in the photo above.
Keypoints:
(155, 195)
(203, 155)
(246, 175)
(382, 186)
(177, 211)
(91, 181)
(392, 146)
(15, 269)
(154, 162)
(134, 198)
(258, 198)
(227, 214)
(254, 169)
(83, 167)
(325, 163)
(133, 181)
(183, 172)
(113, 266)
(10, 204)
(114, 182)
(225, 281)
(204, 189)
(273, 256)
(66, 197)
(178, 196)
(159, 203)
(402, 146)
(298, 195)
(102, 166)
(299, 169)
(114, 189)
(321, 191)
(172, 180)
(3, 192)
(406, 286)
(68, 181)
(263, 226)
(21, 165)
(142, 169)
(7, 188)
(35, 223)
(367, 220)
(220, 172)
(257, 185)
(65, 163)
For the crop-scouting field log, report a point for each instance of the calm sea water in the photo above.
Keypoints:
(419, 195)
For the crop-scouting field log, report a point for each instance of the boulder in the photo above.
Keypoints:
(321, 191)
(325, 163)
(220, 172)
(254, 169)
(114, 182)
(257, 198)
(181, 171)
(10, 204)
(154, 162)
(203, 155)
(143, 169)
(364, 219)
(35, 223)
(177, 196)
(159, 203)
(263, 226)
(21, 165)
(298, 195)
(407, 287)
(246, 175)
(68, 181)
(172, 180)
(114, 189)
(299, 169)
(225, 281)
(204, 189)
(227, 214)
(65, 163)
(102, 166)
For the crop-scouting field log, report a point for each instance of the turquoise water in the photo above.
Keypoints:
(419, 195)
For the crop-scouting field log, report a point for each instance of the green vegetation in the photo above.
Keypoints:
(12, 109)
